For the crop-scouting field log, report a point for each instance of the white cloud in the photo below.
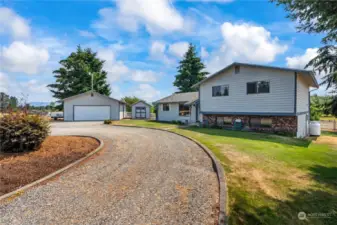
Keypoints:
(86, 34)
(115, 68)
(246, 43)
(144, 76)
(34, 86)
(157, 17)
(218, 1)
(145, 92)
(13, 24)
(300, 61)
(204, 52)
(3, 82)
(178, 49)
(20, 57)
(158, 52)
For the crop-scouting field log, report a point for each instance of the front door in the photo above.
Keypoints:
(140, 112)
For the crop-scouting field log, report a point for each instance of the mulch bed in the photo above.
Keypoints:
(17, 170)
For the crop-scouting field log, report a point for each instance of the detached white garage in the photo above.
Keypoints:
(92, 106)
(141, 110)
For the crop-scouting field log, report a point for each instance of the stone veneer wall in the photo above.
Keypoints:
(286, 124)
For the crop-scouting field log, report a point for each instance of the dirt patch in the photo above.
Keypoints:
(261, 174)
(17, 170)
(328, 140)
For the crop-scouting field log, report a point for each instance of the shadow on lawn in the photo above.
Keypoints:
(319, 204)
(252, 136)
(325, 175)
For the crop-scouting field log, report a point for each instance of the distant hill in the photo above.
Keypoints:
(37, 104)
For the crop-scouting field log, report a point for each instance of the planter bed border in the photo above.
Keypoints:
(57, 172)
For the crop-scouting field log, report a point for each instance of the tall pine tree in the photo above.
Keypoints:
(74, 75)
(190, 71)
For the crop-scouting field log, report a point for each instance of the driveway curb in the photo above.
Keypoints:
(57, 172)
(222, 220)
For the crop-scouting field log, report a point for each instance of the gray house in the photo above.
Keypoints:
(264, 98)
(92, 106)
(178, 107)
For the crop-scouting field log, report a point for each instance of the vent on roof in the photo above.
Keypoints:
(237, 69)
(92, 94)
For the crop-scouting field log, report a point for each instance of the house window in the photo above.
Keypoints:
(237, 69)
(255, 122)
(166, 107)
(221, 90)
(258, 87)
(266, 122)
(227, 120)
(184, 110)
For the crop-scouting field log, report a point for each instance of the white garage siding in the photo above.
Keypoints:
(302, 125)
(141, 104)
(86, 99)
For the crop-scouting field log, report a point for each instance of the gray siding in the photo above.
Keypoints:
(88, 100)
(173, 114)
(279, 100)
(140, 104)
(302, 95)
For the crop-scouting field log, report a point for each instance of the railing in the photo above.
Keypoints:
(128, 115)
(329, 125)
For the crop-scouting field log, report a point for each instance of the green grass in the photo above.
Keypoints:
(328, 118)
(329, 133)
(270, 178)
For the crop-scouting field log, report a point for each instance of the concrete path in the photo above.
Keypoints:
(142, 177)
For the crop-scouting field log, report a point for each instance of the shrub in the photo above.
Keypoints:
(22, 132)
(107, 121)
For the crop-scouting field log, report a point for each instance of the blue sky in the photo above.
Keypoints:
(142, 40)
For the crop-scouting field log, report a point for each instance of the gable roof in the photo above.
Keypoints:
(94, 92)
(187, 98)
(142, 102)
(305, 72)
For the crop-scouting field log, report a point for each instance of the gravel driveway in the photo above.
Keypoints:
(141, 177)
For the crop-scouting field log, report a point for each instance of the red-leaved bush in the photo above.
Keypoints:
(21, 132)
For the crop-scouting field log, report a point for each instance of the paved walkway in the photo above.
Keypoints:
(142, 177)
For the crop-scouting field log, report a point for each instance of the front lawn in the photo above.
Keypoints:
(270, 178)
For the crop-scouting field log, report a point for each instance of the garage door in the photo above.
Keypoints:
(91, 112)
(140, 112)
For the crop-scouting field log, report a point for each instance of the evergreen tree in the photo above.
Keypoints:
(318, 16)
(313, 16)
(74, 75)
(190, 71)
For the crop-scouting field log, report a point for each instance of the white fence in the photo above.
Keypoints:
(329, 125)
(128, 115)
